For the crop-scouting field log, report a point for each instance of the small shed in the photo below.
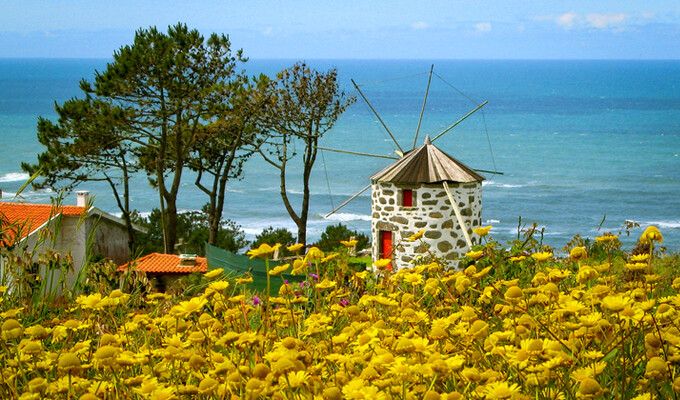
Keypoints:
(165, 269)
(416, 193)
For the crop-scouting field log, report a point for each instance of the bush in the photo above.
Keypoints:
(331, 237)
(273, 236)
(193, 232)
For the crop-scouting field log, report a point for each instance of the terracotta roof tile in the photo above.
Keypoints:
(166, 263)
(22, 219)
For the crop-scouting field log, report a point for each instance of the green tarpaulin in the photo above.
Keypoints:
(239, 265)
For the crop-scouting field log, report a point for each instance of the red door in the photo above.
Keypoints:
(386, 246)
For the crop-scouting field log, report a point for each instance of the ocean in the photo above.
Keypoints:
(578, 142)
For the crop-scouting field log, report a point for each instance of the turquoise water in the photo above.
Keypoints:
(576, 140)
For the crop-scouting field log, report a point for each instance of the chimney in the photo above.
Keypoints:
(187, 260)
(82, 198)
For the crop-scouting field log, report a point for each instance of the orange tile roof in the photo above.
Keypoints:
(166, 263)
(26, 218)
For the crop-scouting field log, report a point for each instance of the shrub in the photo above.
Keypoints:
(273, 236)
(331, 237)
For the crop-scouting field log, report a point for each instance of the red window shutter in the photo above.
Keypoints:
(407, 198)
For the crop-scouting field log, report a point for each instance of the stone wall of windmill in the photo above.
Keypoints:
(430, 209)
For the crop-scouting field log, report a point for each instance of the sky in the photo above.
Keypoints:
(356, 29)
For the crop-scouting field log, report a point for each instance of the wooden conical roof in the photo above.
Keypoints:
(427, 164)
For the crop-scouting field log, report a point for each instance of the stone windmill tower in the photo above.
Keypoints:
(426, 189)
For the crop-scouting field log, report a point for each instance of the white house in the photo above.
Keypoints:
(65, 229)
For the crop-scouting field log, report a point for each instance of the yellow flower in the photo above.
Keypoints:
(363, 274)
(665, 313)
(474, 254)
(263, 251)
(636, 267)
(382, 263)
(589, 389)
(349, 243)
(105, 356)
(542, 256)
(186, 308)
(606, 238)
(207, 386)
(330, 257)
(639, 258)
(299, 267)
(93, 301)
(416, 235)
(297, 379)
(213, 273)
(11, 329)
(615, 303)
(578, 253)
(314, 254)
(514, 294)
(656, 368)
(218, 286)
(651, 234)
(243, 281)
(500, 390)
(518, 258)
(69, 363)
(326, 284)
(295, 247)
(483, 231)
(278, 270)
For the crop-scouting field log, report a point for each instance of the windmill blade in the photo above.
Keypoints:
(356, 153)
(376, 115)
(347, 201)
(422, 111)
(459, 121)
(489, 172)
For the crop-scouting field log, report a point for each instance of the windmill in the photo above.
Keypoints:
(424, 188)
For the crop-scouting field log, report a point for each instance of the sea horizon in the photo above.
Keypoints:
(576, 138)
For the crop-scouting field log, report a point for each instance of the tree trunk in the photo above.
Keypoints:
(171, 226)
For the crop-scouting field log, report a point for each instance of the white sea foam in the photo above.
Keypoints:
(674, 224)
(348, 217)
(503, 185)
(14, 177)
(493, 221)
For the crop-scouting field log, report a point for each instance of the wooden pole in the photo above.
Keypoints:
(454, 203)
(459, 121)
(422, 111)
(377, 116)
(356, 153)
(347, 201)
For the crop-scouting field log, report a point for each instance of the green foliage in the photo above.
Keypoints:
(307, 105)
(331, 237)
(194, 230)
(155, 108)
(273, 236)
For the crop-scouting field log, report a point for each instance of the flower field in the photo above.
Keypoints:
(516, 323)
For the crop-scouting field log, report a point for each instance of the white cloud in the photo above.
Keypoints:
(567, 20)
(605, 21)
(267, 31)
(420, 25)
(483, 27)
